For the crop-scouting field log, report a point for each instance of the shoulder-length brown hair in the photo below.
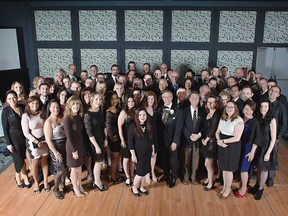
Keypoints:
(138, 129)
(69, 103)
(144, 102)
(40, 108)
(217, 105)
(234, 115)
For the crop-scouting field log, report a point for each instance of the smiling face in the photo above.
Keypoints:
(63, 97)
(18, 88)
(150, 100)
(248, 112)
(142, 116)
(97, 101)
(12, 99)
(34, 106)
(130, 103)
(75, 107)
(167, 98)
(114, 100)
(54, 109)
(211, 103)
(264, 108)
(230, 109)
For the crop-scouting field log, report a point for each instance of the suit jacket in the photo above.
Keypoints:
(188, 127)
(171, 132)
(12, 124)
(109, 83)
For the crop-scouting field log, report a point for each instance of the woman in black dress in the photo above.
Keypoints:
(140, 143)
(15, 139)
(75, 149)
(149, 102)
(267, 153)
(125, 119)
(114, 141)
(96, 131)
(210, 148)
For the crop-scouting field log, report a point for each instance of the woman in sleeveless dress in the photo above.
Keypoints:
(56, 139)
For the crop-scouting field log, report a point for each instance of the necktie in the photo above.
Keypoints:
(115, 79)
(194, 119)
(165, 116)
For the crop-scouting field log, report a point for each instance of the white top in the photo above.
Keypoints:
(227, 127)
(32, 127)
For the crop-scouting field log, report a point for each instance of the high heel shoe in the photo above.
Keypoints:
(47, 189)
(238, 195)
(18, 185)
(100, 188)
(225, 197)
(64, 188)
(78, 195)
(58, 194)
(128, 182)
(209, 189)
(135, 194)
(143, 192)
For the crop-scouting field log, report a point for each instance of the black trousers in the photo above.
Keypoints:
(169, 161)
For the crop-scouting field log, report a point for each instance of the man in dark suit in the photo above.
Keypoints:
(170, 121)
(111, 80)
(193, 126)
(72, 73)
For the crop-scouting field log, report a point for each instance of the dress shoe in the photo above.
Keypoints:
(225, 197)
(172, 182)
(128, 182)
(28, 185)
(135, 194)
(58, 194)
(195, 182)
(204, 183)
(100, 188)
(164, 178)
(154, 178)
(238, 195)
(259, 194)
(254, 189)
(143, 192)
(186, 181)
(18, 185)
(209, 188)
(36, 191)
(47, 189)
(270, 182)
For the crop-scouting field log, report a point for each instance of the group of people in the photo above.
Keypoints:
(134, 121)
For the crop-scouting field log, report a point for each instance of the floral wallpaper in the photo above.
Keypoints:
(143, 25)
(237, 26)
(53, 25)
(276, 27)
(140, 56)
(235, 59)
(191, 26)
(97, 25)
(103, 58)
(194, 59)
(51, 59)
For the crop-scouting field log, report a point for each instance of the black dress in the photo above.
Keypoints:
(153, 123)
(210, 125)
(13, 134)
(74, 127)
(272, 164)
(143, 150)
(114, 141)
(94, 125)
(125, 128)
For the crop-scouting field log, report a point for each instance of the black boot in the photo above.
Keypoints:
(254, 189)
(259, 194)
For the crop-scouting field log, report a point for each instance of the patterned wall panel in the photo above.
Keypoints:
(191, 26)
(276, 27)
(97, 25)
(143, 25)
(237, 26)
(53, 25)
(235, 59)
(103, 58)
(140, 56)
(194, 59)
(51, 59)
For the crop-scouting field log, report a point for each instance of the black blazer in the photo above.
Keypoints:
(12, 124)
(188, 128)
(171, 132)
(109, 83)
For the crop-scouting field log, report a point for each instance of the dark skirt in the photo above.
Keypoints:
(272, 164)
(126, 153)
(97, 157)
(143, 166)
(211, 149)
(114, 146)
(229, 157)
(19, 154)
(245, 164)
(59, 145)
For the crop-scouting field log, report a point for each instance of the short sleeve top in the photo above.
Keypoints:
(227, 127)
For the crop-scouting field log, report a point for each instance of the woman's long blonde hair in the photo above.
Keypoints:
(69, 103)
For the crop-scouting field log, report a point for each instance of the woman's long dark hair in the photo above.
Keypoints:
(130, 112)
(138, 130)
(40, 109)
(267, 117)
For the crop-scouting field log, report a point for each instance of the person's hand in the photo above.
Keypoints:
(58, 157)
(250, 156)
(10, 148)
(173, 146)
(134, 158)
(123, 144)
(41, 144)
(204, 142)
(266, 157)
(98, 150)
(194, 137)
(75, 155)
